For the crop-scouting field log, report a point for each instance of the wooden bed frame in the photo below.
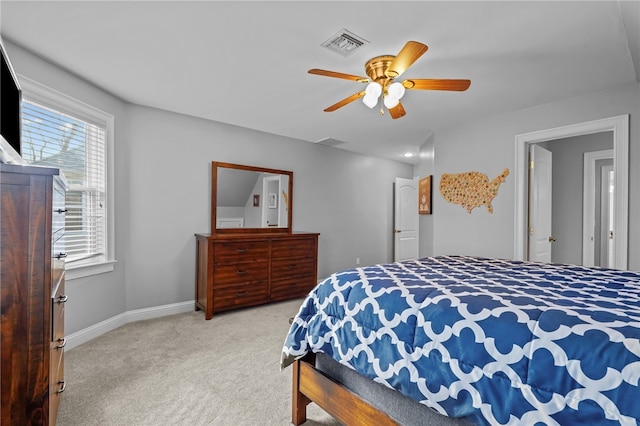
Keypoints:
(310, 385)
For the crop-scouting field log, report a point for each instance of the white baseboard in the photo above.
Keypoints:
(89, 333)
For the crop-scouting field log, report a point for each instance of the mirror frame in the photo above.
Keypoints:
(214, 188)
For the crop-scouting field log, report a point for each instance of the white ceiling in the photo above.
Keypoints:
(245, 63)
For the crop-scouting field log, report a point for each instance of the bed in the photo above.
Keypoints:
(492, 341)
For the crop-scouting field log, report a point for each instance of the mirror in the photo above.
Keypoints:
(250, 199)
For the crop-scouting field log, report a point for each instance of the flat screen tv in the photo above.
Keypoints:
(10, 110)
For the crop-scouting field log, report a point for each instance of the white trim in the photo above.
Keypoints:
(96, 330)
(588, 203)
(81, 271)
(620, 127)
(62, 102)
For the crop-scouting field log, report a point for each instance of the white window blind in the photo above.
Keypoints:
(76, 146)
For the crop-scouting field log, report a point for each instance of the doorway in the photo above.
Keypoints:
(619, 126)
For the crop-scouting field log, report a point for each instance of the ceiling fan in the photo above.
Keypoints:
(381, 72)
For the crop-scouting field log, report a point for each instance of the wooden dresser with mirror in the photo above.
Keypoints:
(252, 256)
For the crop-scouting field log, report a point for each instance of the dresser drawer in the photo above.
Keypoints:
(57, 384)
(305, 247)
(292, 287)
(56, 366)
(58, 249)
(58, 259)
(59, 209)
(58, 302)
(240, 273)
(240, 295)
(284, 268)
(240, 251)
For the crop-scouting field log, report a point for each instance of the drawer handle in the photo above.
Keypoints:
(242, 250)
(242, 293)
(242, 272)
(61, 256)
(62, 298)
(61, 211)
(293, 266)
(63, 387)
(64, 343)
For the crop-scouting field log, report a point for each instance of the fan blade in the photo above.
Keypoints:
(338, 75)
(405, 58)
(397, 111)
(344, 102)
(437, 84)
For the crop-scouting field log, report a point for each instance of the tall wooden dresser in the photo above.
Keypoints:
(32, 205)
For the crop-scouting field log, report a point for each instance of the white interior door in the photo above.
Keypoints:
(540, 238)
(405, 241)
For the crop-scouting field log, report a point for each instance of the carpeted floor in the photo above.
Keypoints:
(184, 370)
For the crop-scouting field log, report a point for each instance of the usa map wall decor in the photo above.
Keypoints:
(471, 189)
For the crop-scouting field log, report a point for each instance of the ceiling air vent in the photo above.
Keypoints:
(344, 42)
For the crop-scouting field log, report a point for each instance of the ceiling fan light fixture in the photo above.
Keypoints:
(391, 102)
(396, 90)
(370, 100)
(381, 72)
(373, 89)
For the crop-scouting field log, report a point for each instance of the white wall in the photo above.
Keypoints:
(345, 197)
(488, 146)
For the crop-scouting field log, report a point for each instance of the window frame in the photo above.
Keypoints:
(37, 92)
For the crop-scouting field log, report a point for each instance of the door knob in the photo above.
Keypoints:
(552, 240)
(398, 231)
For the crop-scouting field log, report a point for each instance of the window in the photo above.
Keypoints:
(61, 132)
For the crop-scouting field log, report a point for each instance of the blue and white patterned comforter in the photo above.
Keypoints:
(496, 341)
